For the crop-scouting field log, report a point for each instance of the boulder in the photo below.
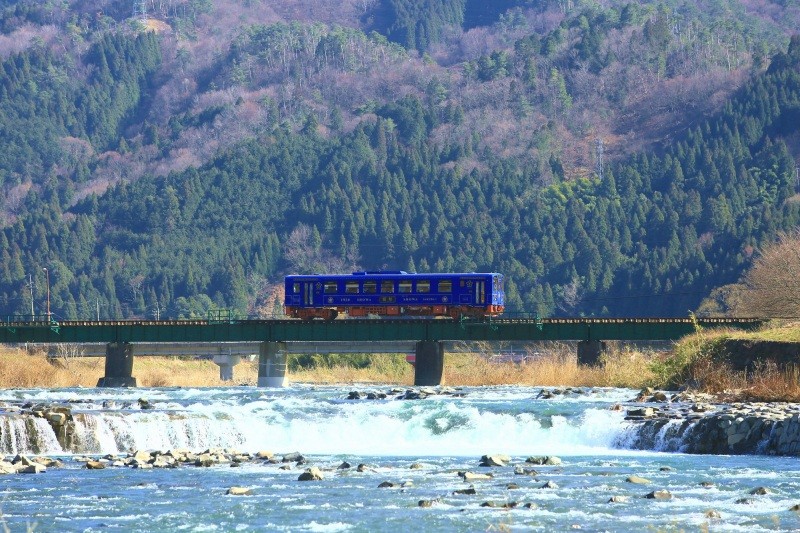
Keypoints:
(56, 419)
(659, 495)
(544, 460)
(760, 491)
(643, 412)
(659, 397)
(549, 485)
(470, 491)
(495, 460)
(311, 474)
(294, 457)
(471, 476)
(427, 503)
(239, 491)
(618, 499)
(711, 513)
(34, 468)
(264, 454)
(95, 465)
(141, 455)
(637, 480)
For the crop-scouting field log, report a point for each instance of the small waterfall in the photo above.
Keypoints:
(26, 434)
(116, 432)
(320, 421)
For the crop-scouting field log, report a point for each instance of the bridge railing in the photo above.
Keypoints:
(16, 319)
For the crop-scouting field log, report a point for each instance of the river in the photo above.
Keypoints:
(440, 436)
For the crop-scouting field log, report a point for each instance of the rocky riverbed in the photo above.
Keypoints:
(695, 423)
(378, 458)
(659, 420)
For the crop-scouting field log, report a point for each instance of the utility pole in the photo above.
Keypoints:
(30, 286)
(47, 274)
(97, 306)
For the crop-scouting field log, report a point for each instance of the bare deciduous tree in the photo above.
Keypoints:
(305, 253)
(771, 285)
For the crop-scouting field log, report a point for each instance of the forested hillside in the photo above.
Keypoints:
(185, 155)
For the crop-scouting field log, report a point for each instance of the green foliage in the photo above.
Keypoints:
(394, 182)
(698, 350)
(49, 109)
(311, 361)
(417, 24)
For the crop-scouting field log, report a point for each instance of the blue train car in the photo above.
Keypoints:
(394, 293)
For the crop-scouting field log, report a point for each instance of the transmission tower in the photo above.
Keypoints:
(140, 10)
(598, 157)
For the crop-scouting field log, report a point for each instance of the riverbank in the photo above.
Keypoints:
(555, 366)
(735, 365)
(703, 362)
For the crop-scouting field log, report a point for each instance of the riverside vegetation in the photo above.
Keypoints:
(696, 362)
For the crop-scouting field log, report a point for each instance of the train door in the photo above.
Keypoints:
(480, 292)
(308, 293)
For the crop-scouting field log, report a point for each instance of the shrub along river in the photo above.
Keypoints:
(403, 462)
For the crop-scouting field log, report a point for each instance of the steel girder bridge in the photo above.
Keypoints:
(277, 338)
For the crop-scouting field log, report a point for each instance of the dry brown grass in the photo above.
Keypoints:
(555, 366)
(19, 369)
(771, 383)
(699, 359)
(692, 361)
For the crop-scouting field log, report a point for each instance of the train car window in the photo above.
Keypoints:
(387, 286)
(330, 287)
(405, 286)
(423, 285)
(351, 287)
(296, 288)
(446, 286)
(370, 287)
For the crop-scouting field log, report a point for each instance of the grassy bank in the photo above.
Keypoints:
(700, 361)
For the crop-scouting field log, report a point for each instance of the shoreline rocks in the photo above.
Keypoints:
(692, 423)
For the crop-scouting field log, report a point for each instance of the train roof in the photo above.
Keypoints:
(394, 274)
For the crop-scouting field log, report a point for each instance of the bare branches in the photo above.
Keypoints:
(772, 288)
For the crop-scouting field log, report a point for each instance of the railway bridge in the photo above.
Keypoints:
(276, 339)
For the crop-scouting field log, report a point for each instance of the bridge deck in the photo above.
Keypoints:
(499, 329)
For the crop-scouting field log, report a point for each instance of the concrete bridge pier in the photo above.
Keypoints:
(272, 367)
(226, 362)
(429, 363)
(119, 366)
(589, 352)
